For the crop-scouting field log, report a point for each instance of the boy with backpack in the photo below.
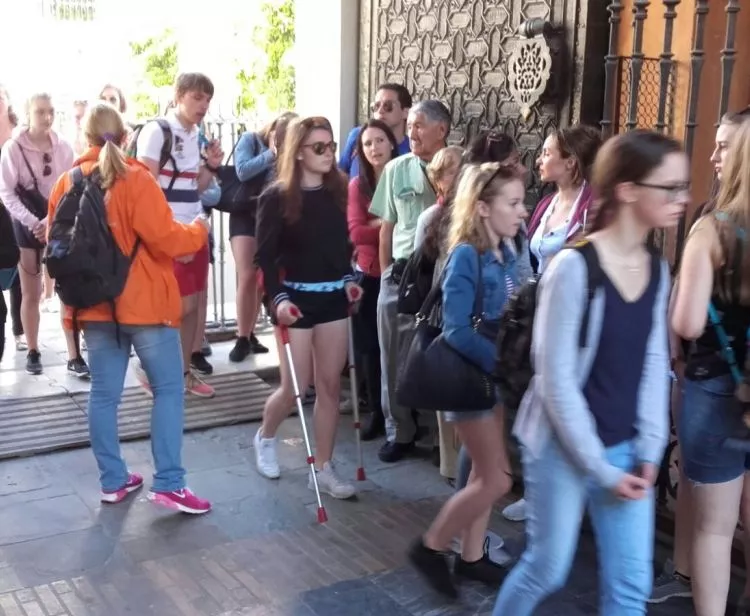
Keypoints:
(171, 149)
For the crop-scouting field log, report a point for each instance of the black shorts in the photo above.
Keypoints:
(242, 225)
(24, 237)
(317, 307)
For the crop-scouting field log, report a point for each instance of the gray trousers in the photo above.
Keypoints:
(392, 330)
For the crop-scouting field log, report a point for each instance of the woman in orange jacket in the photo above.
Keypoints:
(148, 315)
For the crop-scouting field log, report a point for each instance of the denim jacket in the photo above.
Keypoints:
(459, 290)
(252, 157)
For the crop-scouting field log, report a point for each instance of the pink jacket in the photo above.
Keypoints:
(13, 171)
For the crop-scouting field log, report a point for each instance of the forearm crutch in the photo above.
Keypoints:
(322, 516)
(353, 383)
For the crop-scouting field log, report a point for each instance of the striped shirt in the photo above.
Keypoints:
(183, 197)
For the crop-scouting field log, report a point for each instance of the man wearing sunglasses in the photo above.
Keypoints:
(403, 192)
(391, 105)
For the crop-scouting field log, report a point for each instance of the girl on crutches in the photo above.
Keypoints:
(302, 230)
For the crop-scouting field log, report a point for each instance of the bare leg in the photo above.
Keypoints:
(716, 510)
(31, 295)
(189, 327)
(279, 403)
(486, 447)
(243, 250)
(330, 347)
(201, 312)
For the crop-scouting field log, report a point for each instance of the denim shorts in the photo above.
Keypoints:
(710, 414)
(460, 416)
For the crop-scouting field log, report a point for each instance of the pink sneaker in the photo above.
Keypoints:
(134, 482)
(180, 500)
(196, 386)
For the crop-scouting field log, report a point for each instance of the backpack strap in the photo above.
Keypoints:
(595, 278)
(76, 177)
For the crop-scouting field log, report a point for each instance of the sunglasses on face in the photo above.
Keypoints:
(319, 147)
(47, 160)
(386, 106)
(112, 100)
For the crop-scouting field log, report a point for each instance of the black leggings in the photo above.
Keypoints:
(366, 340)
(15, 306)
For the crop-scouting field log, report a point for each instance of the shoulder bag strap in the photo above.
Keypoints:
(28, 166)
(478, 309)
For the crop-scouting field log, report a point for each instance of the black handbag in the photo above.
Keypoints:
(434, 375)
(32, 199)
(238, 197)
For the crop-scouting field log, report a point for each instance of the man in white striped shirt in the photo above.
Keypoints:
(183, 178)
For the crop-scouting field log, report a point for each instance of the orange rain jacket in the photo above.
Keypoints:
(136, 207)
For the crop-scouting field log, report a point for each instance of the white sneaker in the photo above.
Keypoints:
(265, 456)
(516, 512)
(330, 483)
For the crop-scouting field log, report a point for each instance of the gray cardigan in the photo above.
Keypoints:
(554, 406)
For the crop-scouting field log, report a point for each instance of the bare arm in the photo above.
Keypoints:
(153, 166)
(691, 304)
(385, 251)
(205, 177)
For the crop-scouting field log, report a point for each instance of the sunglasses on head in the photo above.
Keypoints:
(386, 106)
(319, 147)
(47, 160)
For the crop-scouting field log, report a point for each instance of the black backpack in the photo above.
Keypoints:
(415, 283)
(81, 255)
(165, 155)
(513, 369)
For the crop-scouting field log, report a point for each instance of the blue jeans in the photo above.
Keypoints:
(556, 495)
(159, 350)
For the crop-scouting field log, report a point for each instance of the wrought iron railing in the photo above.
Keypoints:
(654, 95)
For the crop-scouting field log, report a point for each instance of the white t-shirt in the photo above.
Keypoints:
(183, 198)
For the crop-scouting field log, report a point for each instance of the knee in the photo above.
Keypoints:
(247, 278)
(328, 388)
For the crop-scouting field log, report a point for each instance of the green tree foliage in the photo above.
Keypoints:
(272, 77)
(158, 59)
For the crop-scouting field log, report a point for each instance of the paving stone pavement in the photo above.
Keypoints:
(259, 553)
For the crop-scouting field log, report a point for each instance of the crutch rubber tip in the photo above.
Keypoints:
(311, 459)
(322, 515)
(361, 474)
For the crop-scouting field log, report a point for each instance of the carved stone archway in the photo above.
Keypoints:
(475, 54)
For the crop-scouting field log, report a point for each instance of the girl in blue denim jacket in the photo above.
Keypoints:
(487, 214)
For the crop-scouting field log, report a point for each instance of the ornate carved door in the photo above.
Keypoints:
(501, 65)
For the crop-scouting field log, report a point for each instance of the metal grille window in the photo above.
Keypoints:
(71, 10)
(651, 90)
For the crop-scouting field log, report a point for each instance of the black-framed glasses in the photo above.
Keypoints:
(673, 190)
(47, 160)
(319, 147)
(386, 106)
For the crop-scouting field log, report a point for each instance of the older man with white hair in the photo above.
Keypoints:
(403, 192)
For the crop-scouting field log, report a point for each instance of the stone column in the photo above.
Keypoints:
(325, 61)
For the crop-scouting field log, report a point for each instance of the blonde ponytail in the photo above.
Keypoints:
(111, 164)
(105, 129)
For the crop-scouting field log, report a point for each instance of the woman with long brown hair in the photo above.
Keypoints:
(594, 421)
(305, 256)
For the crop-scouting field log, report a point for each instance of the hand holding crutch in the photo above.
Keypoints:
(287, 313)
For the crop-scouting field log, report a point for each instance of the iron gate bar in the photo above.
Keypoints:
(640, 11)
(666, 64)
(697, 54)
(727, 56)
(611, 61)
